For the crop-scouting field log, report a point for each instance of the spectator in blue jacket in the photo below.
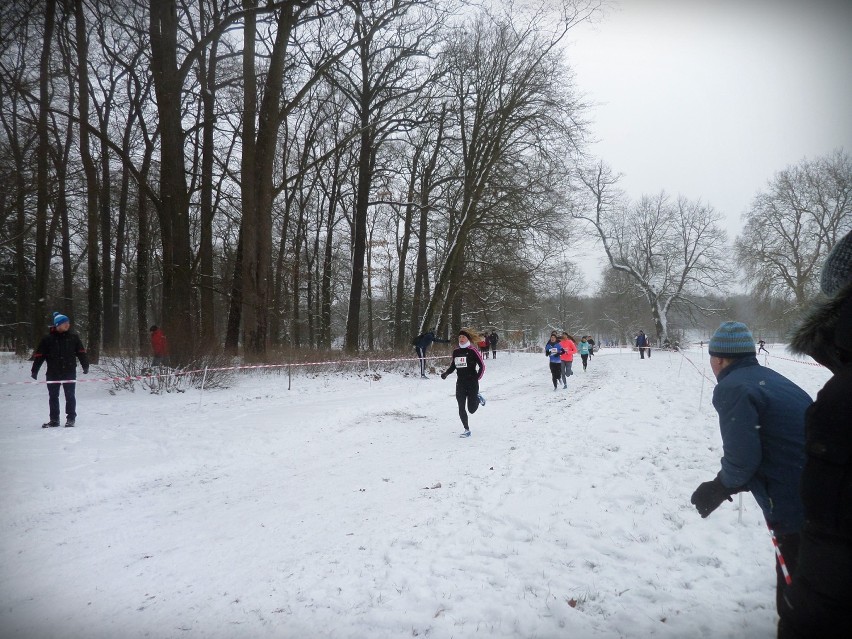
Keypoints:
(762, 422)
(421, 344)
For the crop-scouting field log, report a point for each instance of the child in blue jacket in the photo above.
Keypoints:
(553, 349)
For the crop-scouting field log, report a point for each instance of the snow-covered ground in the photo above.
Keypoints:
(349, 507)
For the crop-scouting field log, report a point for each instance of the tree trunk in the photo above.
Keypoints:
(105, 200)
(95, 311)
(207, 79)
(327, 262)
(398, 340)
(235, 306)
(42, 249)
(252, 277)
(62, 205)
(359, 244)
(420, 299)
(26, 328)
(143, 250)
(313, 278)
(371, 346)
(278, 287)
(296, 279)
(173, 210)
(259, 153)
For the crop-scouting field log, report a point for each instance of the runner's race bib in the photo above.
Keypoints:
(461, 362)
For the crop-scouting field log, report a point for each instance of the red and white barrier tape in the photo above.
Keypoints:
(797, 361)
(201, 371)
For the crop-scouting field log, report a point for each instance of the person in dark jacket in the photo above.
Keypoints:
(817, 603)
(60, 349)
(643, 345)
(421, 344)
(492, 339)
(762, 421)
(469, 367)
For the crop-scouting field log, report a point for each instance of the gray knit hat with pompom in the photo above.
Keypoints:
(837, 270)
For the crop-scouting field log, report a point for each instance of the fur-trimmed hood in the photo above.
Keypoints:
(825, 332)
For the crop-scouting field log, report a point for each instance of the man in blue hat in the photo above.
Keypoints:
(60, 349)
(762, 421)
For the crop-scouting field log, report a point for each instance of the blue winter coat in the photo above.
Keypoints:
(762, 420)
(584, 348)
(553, 351)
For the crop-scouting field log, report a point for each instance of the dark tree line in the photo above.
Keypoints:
(294, 173)
(316, 173)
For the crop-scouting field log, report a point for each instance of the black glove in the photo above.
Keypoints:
(86, 371)
(443, 376)
(34, 375)
(709, 496)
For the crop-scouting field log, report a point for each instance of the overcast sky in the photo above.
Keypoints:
(710, 98)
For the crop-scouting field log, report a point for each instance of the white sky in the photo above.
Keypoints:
(710, 98)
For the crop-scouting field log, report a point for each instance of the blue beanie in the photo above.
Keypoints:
(59, 318)
(731, 340)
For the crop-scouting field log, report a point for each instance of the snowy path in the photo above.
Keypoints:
(260, 512)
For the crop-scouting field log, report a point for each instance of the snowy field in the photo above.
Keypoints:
(348, 507)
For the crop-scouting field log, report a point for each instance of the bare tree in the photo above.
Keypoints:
(793, 224)
(20, 140)
(381, 82)
(623, 307)
(514, 106)
(673, 251)
(95, 299)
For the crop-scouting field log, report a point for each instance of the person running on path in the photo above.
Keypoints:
(469, 367)
(762, 348)
(591, 346)
(566, 359)
(584, 351)
(421, 345)
(61, 349)
(554, 350)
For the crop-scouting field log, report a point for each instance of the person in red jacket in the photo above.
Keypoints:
(159, 346)
(567, 358)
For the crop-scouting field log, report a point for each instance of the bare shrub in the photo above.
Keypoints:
(126, 372)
